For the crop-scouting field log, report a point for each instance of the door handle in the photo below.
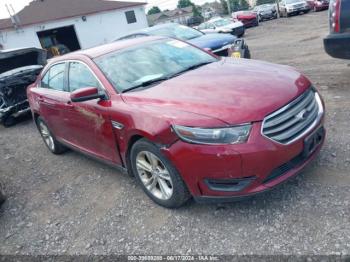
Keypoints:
(41, 99)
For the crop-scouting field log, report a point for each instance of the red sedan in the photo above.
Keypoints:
(318, 5)
(248, 18)
(182, 121)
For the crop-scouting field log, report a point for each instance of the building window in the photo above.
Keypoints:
(130, 17)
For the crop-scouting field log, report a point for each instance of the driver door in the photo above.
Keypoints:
(89, 122)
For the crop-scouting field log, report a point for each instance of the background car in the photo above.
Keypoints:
(248, 18)
(266, 11)
(182, 121)
(219, 44)
(222, 25)
(293, 7)
(318, 5)
(19, 68)
(337, 43)
(194, 21)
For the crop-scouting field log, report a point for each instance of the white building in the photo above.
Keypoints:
(71, 24)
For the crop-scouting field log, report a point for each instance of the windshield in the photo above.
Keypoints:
(161, 59)
(176, 31)
(221, 22)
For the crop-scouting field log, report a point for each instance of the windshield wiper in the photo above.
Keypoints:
(191, 68)
(146, 83)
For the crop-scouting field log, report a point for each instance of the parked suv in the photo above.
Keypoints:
(293, 7)
(337, 43)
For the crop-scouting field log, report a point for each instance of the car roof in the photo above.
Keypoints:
(107, 48)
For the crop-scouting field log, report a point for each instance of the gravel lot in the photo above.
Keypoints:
(71, 204)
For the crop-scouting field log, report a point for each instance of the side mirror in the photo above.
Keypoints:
(85, 94)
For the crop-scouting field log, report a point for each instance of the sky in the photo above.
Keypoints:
(162, 4)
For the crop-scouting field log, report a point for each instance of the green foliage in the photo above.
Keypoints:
(154, 10)
(236, 5)
(184, 3)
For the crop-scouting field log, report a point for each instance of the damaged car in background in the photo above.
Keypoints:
(18, 69)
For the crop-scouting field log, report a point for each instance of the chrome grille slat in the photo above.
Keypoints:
(295, 107)
(296, 129)
(291, 121)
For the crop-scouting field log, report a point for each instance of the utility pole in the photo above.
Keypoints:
(229, 8)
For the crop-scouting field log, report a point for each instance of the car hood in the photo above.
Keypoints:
(213, 41)
(234, 91)
(15, 58)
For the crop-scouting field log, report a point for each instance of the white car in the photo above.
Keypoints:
(222, 25)
(293, 7)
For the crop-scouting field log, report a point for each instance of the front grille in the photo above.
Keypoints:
(293, 120)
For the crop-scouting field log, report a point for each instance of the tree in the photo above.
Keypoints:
(154, 10)
(244, 4)
(236, 5)
(184, 3)
(224, 6)
(187, 3)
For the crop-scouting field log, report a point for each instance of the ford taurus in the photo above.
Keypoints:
(184, 122)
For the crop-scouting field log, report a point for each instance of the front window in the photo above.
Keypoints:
(221, 22)
(156, 60)
(79, 76)
(54, 78)
(177, 31)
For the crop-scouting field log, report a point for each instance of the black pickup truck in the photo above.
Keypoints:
(337, 43)
(18, 69)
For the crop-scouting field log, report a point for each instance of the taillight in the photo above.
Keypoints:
(335, 16)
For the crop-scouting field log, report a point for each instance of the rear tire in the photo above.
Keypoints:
(9, 121)
(157, 176)
(50, 141)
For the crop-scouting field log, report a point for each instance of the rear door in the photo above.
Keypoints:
(52, 96)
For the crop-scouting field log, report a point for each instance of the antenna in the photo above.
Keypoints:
(14, 18)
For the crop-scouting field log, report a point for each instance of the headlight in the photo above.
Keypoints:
(214, 136)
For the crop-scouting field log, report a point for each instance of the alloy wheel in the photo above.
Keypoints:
(48, 139)
(154, 175)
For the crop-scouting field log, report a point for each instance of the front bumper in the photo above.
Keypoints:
(261, 163)
(338, 45)
(238, 31)
(265, 16)
(294, 11)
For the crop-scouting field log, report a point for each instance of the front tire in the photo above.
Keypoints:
(50, 141)
(157, 176)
